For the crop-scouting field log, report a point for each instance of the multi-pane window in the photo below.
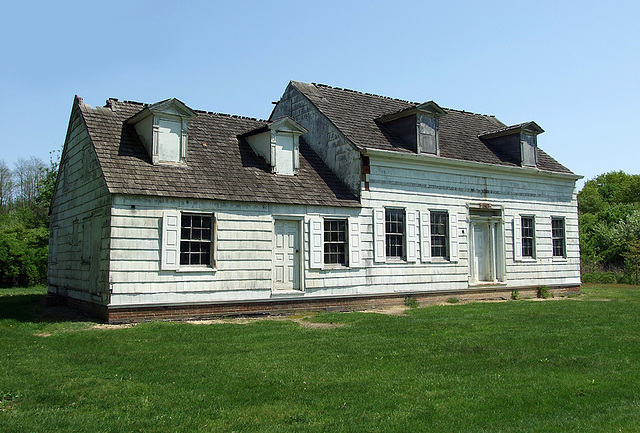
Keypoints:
(394, 232)
(335, 242)
(527, 231)
(195, 239)
(558, 236)
(439, 223)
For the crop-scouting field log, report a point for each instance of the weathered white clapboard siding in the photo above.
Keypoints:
(243, 252)
(422, 185)
(79, 241)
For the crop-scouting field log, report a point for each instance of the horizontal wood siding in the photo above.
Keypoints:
(424, 187)
(243, 251)
(79, 225)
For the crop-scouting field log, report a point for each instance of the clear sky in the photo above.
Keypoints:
(573, 67)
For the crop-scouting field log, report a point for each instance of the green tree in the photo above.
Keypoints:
(609, 216)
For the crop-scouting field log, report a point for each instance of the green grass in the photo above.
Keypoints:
(560, 365)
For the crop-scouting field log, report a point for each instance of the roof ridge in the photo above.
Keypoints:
(233, 116)
(363, 93)
(397, 99)
(110, 102)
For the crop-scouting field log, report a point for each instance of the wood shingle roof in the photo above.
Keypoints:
(355, 113)
(220, 166)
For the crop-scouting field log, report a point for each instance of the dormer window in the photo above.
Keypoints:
(417, 126)
(518, 142)
(279, 144)
(163, 130)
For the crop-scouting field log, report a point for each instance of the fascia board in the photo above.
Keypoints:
(427, 159)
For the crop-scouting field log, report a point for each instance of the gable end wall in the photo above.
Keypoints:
(79, 224)
(325, 139)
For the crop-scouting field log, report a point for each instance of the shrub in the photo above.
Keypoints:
(411, 302)
(23, 256)
(600, 277)
(515, 295)
(543, 292)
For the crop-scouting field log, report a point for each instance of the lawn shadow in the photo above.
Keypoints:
(35, 308)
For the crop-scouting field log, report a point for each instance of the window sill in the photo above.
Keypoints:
(334, 267)
(527, 260)
(197, 269)
(558, 259)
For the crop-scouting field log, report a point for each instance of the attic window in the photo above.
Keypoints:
(163, 130)
(519, 142)
(417, 126)
(278, 143)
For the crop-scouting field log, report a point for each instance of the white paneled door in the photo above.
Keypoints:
(286, 255)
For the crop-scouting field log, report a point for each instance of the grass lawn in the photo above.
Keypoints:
(562, 365)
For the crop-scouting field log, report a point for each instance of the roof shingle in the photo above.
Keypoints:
(225, 168)
(354, 113)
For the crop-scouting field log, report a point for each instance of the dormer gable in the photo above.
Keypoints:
(163, 129)
(279, 144)
(417, 125)
(519, 142)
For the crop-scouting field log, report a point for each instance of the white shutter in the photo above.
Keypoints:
(380, 253)
(354, 242)
(316, 253)
(425, 236)
(412, 236)
(535, 239)
(517, 238)
(453, 237)
(170, 240)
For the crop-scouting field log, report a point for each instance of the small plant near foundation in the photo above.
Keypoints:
(411, 302)
(515, 295)
(453, 300)
(543, 292)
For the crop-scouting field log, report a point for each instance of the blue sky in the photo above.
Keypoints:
(573, 67)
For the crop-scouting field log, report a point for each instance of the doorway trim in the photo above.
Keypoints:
(493, 218)
(299, 220)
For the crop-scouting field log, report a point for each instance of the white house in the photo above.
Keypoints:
(341, 199)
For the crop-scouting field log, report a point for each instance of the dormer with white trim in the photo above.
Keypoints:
(163, 130)
(279, 144)
(519, 142)
(418, 126)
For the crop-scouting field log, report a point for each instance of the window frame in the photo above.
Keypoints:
(196, 240)
(562, 239)
(434, 236)
(524, 237)
(402, 234)
(328, 243)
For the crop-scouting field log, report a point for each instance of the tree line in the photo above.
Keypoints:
(26, 191)
(609, 217)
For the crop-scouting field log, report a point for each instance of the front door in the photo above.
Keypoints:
(286, 275)
(482, 253)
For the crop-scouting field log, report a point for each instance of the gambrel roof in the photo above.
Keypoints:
(357, 115)
(220, 165)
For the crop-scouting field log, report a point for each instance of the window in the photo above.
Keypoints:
(557, 235)
(527, 231)
(394, 232)
(335, 242)
(195, 239)
(439, 241)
